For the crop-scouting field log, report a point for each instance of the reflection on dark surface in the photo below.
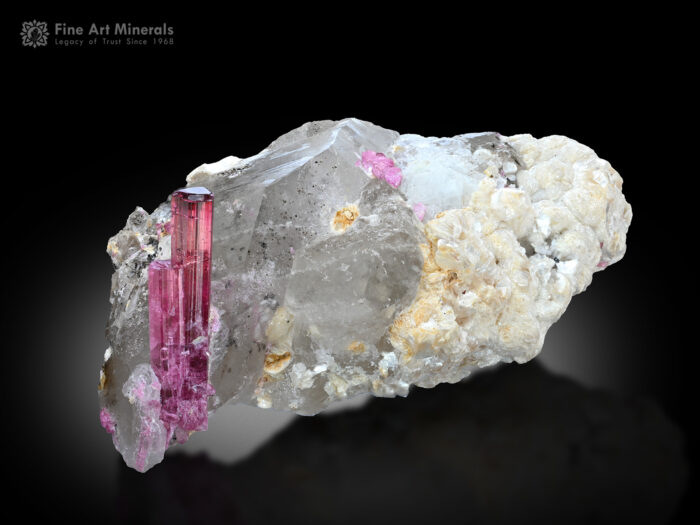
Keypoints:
(515, 445)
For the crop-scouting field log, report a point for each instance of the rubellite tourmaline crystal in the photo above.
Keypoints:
(179, 296)
(166, 333)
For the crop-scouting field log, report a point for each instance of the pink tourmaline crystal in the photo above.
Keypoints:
(165, 304)
(419, 210)
(192, 213)
(179, 297)
(381, 167)
(107, 421)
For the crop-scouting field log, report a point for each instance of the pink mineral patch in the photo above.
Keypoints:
(214, 320)
(381, 167)
(107, 421)
(419, 210)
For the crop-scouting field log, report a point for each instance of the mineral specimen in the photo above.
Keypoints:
(349, 259)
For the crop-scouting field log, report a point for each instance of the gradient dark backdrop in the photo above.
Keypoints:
(93, 133)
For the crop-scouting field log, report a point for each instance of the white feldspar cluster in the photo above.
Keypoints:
(326, 284)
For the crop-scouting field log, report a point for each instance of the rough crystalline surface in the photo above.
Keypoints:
(349, 259)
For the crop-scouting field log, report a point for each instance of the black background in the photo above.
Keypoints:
(91, 133)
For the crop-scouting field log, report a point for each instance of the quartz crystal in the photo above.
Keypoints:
(348, 259)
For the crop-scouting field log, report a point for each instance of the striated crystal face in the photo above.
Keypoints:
(349, 259)
(166, 325)
(192, 210)
(192, 213)
(178, 302)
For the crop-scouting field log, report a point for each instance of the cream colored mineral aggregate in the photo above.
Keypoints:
(482, 297)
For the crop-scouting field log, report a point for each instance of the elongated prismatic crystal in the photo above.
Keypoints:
(178, 302)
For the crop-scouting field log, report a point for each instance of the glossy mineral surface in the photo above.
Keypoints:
(349, 259)
(178, 303)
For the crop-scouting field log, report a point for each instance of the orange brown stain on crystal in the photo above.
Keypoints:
(434, 281)
(105, 375)
(261, 382)
(344, 217)
(275, 363)
(357, 347)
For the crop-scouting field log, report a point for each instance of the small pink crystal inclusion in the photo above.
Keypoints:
(179, 292)
(107, 421)
(419, 210)
(381, 167)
